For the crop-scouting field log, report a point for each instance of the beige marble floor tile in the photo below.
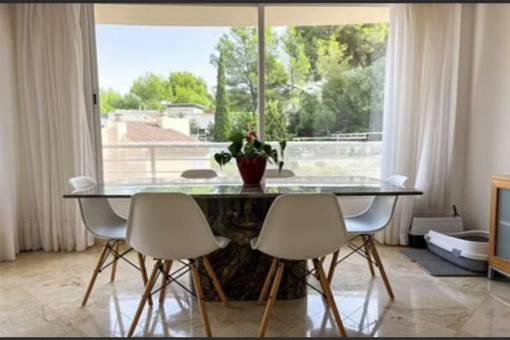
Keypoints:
(40, 295)
(491, 319)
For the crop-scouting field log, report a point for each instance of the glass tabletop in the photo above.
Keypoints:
(234, 187)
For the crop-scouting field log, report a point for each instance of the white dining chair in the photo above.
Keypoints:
(199, 173)
(274, 173)
(364, 225)
(172, 227)
(300, 227)
(100, 219)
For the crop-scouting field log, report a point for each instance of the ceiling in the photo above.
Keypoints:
(242, 15)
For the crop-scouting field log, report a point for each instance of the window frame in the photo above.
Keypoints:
(261, 19)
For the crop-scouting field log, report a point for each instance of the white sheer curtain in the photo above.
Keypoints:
(8, 222)
(419, 109)
(53, 138)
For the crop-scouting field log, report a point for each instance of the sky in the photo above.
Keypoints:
(126, 52)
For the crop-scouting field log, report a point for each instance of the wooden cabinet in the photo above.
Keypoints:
(499, 242)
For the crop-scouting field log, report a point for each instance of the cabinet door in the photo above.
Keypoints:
(503, 224)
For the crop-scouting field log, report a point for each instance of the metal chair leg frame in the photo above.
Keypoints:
(369, 251)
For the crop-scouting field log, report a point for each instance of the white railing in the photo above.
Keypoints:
(167, 160)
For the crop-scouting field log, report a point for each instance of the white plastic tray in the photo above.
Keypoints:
(460, 243)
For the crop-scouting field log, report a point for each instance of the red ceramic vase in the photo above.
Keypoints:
(252, 169)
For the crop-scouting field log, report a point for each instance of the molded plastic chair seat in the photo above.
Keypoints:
(361, 225)
(274, 173)
(110, 231)
(199, 173)
(365, 224)
(100, 220)
(300, 227)
(222, 241)
(170, 227)
(378, 214)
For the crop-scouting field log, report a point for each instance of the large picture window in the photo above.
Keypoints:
(176, 80)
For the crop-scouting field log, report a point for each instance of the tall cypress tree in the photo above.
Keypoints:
(222, 124)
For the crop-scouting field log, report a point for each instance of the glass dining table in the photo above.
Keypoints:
(237, 211)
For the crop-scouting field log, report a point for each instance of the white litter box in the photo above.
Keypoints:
(422, 225)
(467, 249)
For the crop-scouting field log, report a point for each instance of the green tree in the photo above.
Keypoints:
(355, 97)
(184, 87)
(151, 90)
(313, 119)
(222, 125)
(363, 43)
(111, 100)
(240, 50)
(243, 121)
(276, 124)
(298, 64)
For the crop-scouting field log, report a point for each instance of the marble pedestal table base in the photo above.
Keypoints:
(240, 269)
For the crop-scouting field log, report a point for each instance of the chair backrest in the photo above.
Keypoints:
(380, 211)
(398, 180)
(274, 173)
(302, 226)
(199, 173)
(96, 213)
(169, 226)
(81, 182)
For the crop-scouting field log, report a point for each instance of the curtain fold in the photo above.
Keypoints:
(53, 136)
(8, 152)
(419, 108)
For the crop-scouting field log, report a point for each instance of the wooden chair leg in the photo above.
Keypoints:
(143, 270)
(166, 269)
(367, 254)
(272, 298)
(116, 259)
(379, 264)
(145, 296)
(267, 283)
(200, 298)
(332, 266)
(331, 300)
(215, 280)
(316, 266)
(96, 271)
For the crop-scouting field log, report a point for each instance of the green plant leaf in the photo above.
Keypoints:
(222, 158)
(283, 145)
(274, 155)
(237, 137)
(235, 148)
(280, 166)
(257, 144)
(267, 149)
(249, 150)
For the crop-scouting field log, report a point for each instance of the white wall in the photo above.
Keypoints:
(488, 139)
